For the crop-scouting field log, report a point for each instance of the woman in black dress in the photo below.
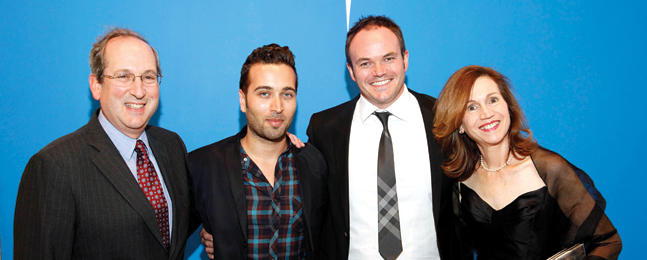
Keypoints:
(514, 199)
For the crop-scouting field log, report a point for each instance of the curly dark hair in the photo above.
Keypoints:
(268, 54)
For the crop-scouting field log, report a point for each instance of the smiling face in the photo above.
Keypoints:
(378, 66)
(270, 101)
(487, 118)
(129, 107)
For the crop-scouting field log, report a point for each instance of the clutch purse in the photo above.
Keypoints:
(575, 252)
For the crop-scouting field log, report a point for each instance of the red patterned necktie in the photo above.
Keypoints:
(152, 188)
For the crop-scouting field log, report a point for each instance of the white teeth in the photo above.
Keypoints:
(380, 83)
(490, 126)
(134, 106)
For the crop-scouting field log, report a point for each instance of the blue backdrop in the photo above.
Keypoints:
(576, 66)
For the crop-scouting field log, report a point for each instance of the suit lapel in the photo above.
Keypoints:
(159, 150)
(236, 183)
(341, 141)
(161, 156)
(426, 108)
(112, 165)
(305, 191)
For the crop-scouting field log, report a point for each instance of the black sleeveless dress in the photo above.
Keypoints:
(539, 223)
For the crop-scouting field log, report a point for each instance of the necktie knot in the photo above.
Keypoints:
(140, 148)
(384, 118)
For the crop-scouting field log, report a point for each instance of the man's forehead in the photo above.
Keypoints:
(373, 28)
(263, 76)
(275, 69)
(370, 37)
(120, 41)
(127, 48)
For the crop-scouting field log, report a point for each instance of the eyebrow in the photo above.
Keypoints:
(264, 87)
(360, 60)
(487, 96)
(289, 88)
(128, 71)
(390, 54)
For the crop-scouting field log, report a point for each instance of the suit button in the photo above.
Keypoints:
(245, 245)
(346, 234)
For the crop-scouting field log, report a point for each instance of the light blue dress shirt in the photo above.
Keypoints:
(126, 147)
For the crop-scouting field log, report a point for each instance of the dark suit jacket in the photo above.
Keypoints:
(220, 195)
(79, 200)
(329, 131)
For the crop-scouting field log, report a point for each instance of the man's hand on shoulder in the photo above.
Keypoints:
(295, 140)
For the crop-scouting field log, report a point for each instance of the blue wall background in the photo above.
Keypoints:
(577, 66)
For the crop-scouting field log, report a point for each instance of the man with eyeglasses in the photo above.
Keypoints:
(117, 188)
(258, 194)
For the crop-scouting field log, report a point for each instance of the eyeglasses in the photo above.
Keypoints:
(126, 79)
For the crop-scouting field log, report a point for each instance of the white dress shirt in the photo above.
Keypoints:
(126, 147)
(413, 180)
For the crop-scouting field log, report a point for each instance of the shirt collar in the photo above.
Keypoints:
(125, 145)
(287, 150)
(399, 108)
(246, 161)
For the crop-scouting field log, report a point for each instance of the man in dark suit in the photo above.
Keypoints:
(349, 135)
(259, 195)
(117, 188)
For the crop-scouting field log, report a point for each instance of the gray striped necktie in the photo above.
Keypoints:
(387, 197)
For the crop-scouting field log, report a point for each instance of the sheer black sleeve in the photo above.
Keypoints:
(588, 222)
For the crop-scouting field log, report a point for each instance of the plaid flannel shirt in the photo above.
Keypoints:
(275, 226)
